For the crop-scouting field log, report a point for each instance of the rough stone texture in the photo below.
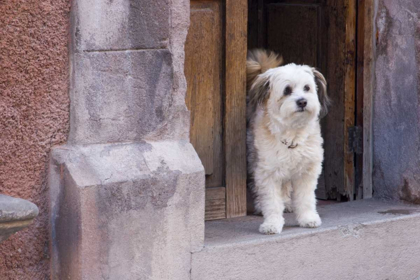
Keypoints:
(126, 211)
(121, 24)
(365, 239)
(396, 117)
(119, 96)
(33, 117)
(123, 78)
(177, 125)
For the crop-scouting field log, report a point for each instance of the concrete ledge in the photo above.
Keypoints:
(15, 215)
(14, 209)
(367, 239)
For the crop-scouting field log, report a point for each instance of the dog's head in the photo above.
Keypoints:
(292, 94)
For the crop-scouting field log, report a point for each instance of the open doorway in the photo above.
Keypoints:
(320, 33)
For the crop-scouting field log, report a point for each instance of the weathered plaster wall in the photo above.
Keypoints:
(34, 108)
(396, 117)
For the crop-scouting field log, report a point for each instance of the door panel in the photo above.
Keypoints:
(203, 69)
(204, 73)
(215, 53)
(287, 20)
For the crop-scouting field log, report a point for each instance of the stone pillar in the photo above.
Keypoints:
(127, 191)
(396, 109)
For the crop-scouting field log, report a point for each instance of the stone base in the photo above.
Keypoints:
(126, 211)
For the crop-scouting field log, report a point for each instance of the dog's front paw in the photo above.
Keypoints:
(271, 227)
(310, 220)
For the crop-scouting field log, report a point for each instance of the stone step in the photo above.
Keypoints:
(367, 239)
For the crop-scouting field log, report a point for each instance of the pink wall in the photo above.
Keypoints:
(34, 116)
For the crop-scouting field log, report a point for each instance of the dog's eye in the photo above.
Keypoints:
(287, 90)
(306, 88)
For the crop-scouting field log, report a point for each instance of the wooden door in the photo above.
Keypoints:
(215, 61)
(320, 33)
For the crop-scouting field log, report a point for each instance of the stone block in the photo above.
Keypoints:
(126, 211)
(120, 24)
(120, 96)
(396, 114)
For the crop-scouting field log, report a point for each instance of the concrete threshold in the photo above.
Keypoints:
(367, 239)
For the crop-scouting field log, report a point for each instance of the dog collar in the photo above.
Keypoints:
(291, 146)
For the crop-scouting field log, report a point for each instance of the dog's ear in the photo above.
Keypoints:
(259, 91)
(322, 92)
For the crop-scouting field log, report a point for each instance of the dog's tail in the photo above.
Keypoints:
(258, 62)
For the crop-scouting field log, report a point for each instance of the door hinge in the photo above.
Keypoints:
(356, 140)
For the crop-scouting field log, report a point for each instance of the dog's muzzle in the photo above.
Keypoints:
(301, 103)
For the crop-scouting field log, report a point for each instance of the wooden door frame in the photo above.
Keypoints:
(360, 64)
(365, 87)
(359, 51)
(235, 107)
(359, 82)
(349, 97)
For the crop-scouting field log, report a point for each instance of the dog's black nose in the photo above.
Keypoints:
(302, 103)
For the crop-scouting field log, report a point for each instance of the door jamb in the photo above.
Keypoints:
(365, 87)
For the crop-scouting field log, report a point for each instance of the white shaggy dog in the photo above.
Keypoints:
(284, 140)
